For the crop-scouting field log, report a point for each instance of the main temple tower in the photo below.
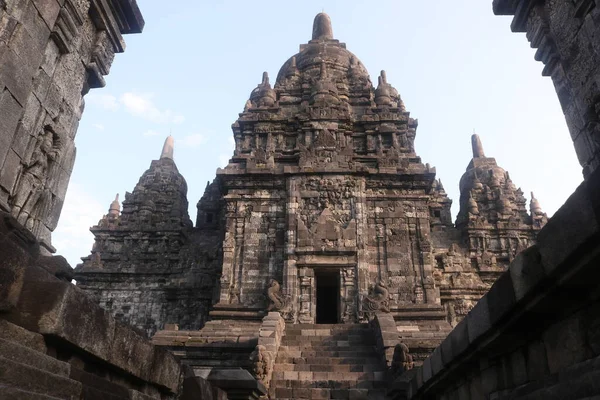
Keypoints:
(325, 196)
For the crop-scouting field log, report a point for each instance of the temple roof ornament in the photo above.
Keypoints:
(322, 29)
(167, 150)
(115, 207)
(263, 95)
(477, 146)
(534, 205)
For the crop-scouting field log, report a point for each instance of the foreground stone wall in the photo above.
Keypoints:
(53, 52)
(566, 36)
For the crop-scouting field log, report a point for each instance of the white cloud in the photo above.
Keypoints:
(106, 101)
(100, 127)
(193, 140)
(142, 105)
(150, 132)
(72, 238)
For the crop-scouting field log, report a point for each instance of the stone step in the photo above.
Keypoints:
(372, 360)
(297, 352)
(323, 383)
(329, 367)
(8, 392)
(14, 333)
(323, 394)
(18, 353)
(30, 379)
(97, 387)
(331, 375)
(305, 341)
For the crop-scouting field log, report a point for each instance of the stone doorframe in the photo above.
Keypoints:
(306, 299)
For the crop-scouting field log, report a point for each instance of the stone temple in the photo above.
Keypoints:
(323, 263)
(324, 213)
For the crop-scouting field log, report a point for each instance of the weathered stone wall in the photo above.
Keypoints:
(52, 53)
(566, 36)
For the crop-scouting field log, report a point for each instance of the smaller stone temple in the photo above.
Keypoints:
(325, 213)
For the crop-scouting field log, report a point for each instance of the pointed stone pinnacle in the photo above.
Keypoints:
(265, 78)
(322, 29)
(115, 207)
(477, 147)
(167, 151)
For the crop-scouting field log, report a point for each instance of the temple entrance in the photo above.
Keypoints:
(328, 296)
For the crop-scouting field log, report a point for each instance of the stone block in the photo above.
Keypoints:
(11, 112)
(17, 77)
(570, 227)
(478, 320)
(32, 379)
(518, 368)
(565, 343)
(500, 298)
(537, 363)
(437, 363)
(446, 350)
(459, 338)
(427, 370)
(526, 271)
(131, 352)
(48, 10)
(10, 171)
(15, 333)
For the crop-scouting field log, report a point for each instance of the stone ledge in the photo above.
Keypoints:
(68, 315)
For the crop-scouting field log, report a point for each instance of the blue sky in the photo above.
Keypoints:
(457, 67)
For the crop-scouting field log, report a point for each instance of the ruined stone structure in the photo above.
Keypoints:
(325, 213)
(53, 52)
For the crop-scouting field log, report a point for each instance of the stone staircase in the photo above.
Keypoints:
(26, 372)
(328, 362)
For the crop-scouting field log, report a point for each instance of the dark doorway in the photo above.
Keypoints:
(328, 296)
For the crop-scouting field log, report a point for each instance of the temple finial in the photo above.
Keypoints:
(265, 78)
(115, 207)
(477, 146)
(167, 151)
(322, 29)
(383, 76)
(534, 205)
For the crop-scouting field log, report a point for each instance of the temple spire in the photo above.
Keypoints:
(322, 29)
(167, 151)
(477, 146)
(115, 207)
(534, 205)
